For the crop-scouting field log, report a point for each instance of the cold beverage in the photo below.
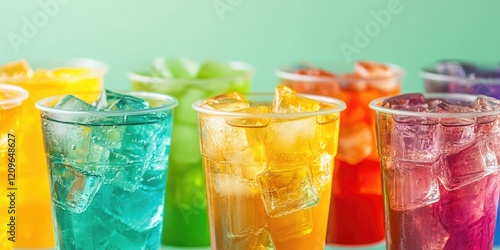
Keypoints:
(107, 162)
(268, 165)
(11, 99)
(462, 77)
(439, 157)
(449, 76)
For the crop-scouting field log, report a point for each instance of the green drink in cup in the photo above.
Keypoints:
(186, 218)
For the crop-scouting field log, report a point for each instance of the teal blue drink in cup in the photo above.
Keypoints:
(107, 156)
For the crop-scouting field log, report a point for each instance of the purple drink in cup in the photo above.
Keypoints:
(439, 155)
(450, 76)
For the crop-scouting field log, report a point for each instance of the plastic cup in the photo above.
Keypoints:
(356, 211)
(107, 172)
(268, 176)
(50, 77)
(185, 206)
(442, 83)
(440, 172)
(11, 99)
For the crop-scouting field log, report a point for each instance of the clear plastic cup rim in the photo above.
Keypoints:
(24, 94)
(284, 73)
(158, 80)
(339, 106)
(97, 67)
(427, 74)
(375, 105)
(171, 103)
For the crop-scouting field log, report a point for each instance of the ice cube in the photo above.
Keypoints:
(292, 226)
(485, 103)
(140, 210)
(121, 236)
(468, 164)
(453, 68)
(228, 183)
(102, 101)
(126, 175)
(446, 107)
(210, 69)
(244, 212)
(118, 102)
(288, 101)
(379, 76)
(328, 118)
(462, 207)
(73, 103)
(16, 69)
(327, 134)
(323, 171)
(355, 143)
(456, 132)
(71, 189)
(241, 211)
(414, 141)
(129, 151)
(154, 177)
(292, 141)
(259, 240)
(413, 101)
(250, 122)
(372, 69)
(227, 102)
(479, 235)
(411, 185)
(245, 152)
(353, 82)
(123, 153)
(213, 135)
(73, 142)
(286, 190)
(430, 230)
(176, 67)
(469, 213)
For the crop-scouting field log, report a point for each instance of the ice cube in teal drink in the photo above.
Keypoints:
(108, 168)
(186, 222)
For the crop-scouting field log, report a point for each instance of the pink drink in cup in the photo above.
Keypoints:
(439, 156)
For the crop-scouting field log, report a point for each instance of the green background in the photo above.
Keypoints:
(268, 34)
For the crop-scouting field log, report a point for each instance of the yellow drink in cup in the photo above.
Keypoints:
(268, 168)
(11, 98)
(34, 214)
